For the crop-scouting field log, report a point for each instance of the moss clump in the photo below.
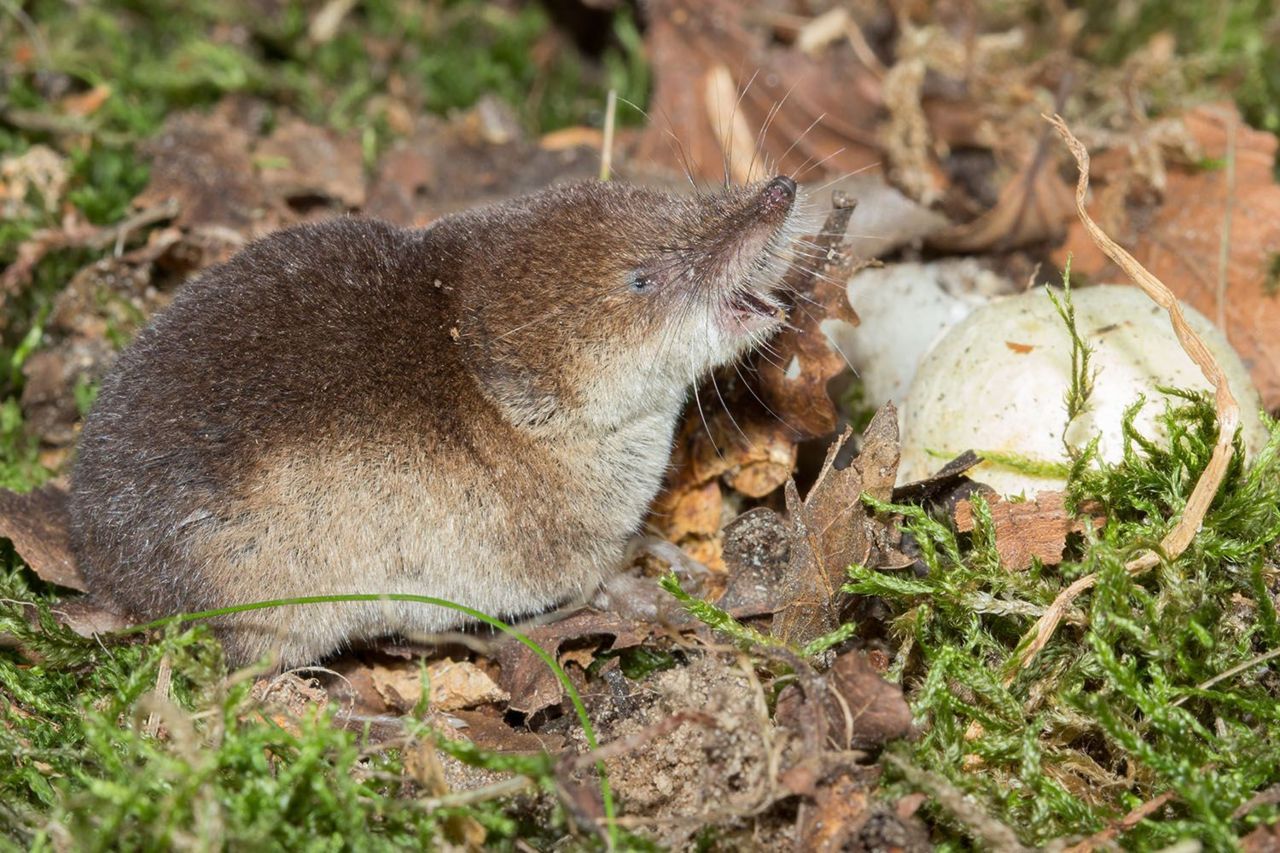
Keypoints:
(219, 770)
(1236, 43)
(1129, 701)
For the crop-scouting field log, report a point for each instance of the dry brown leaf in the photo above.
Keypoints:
(732, 443)
(404, 176)
(860, 709)
(302, 161)
(707, 550)
(87, 618)
(865, 710)
(826, 107)
(943, 482)
(806, 589)
(1033, 206)
(82, 615)
(453, 685)
(760, 459)
(461, 684)
(833, 531)
(353, 687)
(86, 103)
(447, 166)
(729, 435)
(51, 377)
(530, 683)
(695, 511)
(1025, 530)
(112, 296)
(1181, 240)
(202, 163)
(37, 524)
(572, 137)
(1264, 839)
(487, 730)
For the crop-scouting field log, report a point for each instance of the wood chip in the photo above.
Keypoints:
(453, 685)
(1025, 530)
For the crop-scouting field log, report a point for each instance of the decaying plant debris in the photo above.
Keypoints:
(811, 656)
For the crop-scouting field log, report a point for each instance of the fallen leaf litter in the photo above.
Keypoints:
(217, 185)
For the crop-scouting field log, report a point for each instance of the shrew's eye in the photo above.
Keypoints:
(640, 283)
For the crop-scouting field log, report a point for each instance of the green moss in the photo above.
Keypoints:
(20, 467)
(87, 772)
(1234, 43)
(1115, 711)
(158, 56)
(104, 181)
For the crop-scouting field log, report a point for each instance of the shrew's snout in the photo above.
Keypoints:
(778, 195)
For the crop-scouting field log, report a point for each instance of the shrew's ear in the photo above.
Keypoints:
(517, 391)
(510, 377)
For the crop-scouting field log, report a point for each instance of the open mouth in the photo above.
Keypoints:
(752, 306)
(749, 305)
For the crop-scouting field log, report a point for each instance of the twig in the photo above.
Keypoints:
(989, 832)
(477, 795)
(47, 240)
(1137, 815)
(610, 118)
(1267, 797)
(863, 50)
(1228, 413)
(325, 25)
(1235, 670)
(164, 689)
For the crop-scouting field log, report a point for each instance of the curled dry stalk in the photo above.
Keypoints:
(1228, 413)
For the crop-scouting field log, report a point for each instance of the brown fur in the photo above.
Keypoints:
(480, 411)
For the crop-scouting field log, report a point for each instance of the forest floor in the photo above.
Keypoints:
(864, 664)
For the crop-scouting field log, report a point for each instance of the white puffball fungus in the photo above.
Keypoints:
(998, 380)
(904, 308)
